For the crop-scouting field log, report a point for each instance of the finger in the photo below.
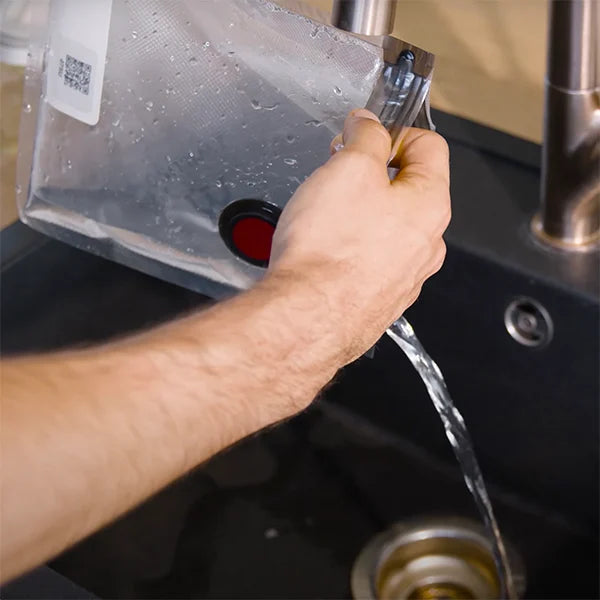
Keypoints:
(337, 144)
(424, 157)
(439, 256)
(412, 298)
(435, 260)
(433, 266)
(363, 133)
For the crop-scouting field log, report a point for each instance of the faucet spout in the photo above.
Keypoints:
(569, 217)
(364, 17)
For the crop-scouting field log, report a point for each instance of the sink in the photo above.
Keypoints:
(286, 512)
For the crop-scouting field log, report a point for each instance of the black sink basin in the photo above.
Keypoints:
(285, 513)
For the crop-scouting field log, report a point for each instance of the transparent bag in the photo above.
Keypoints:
(201, 105)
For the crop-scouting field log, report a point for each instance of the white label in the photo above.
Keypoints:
(78, 41)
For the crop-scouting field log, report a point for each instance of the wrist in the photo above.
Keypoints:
(279, 341)
(308, 327)
(350, 325)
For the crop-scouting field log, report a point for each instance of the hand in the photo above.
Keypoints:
(366, 243)
(89, 434)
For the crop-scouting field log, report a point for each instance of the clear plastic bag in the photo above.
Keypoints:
(202, 104)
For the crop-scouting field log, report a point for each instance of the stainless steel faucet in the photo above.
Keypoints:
(569, 216)
(365, 17)
(401, 97)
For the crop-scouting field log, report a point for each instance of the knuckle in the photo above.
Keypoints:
(414, 295)
(440, 142)
(370, 136)
(432, 139)
(434, 182)
(370, 126)
(360, 160)
(445, 216)
(378, 129)
(441, 211)
(440, 256)
(443, 249)
(434, 142)
(443, 180)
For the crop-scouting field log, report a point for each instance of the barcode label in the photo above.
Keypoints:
(76, 74)
(76, 57)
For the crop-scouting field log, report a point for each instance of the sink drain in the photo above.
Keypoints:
(432, 560)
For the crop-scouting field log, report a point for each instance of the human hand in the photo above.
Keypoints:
(367, 244)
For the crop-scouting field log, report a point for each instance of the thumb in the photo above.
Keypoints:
(364, 133)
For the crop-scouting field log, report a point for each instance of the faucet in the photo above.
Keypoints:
(569, 216)
(407, 72)
(365, 17)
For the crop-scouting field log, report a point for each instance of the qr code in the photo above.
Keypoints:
(75, 73)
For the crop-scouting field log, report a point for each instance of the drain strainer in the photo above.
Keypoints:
(432, 560)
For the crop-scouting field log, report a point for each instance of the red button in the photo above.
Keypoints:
(253, 237)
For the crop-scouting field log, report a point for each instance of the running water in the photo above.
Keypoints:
(456, 432)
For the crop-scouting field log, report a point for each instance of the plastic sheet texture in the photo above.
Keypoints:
(203, 103)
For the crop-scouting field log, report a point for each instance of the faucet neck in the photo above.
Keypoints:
(574, 44)
(569, 216)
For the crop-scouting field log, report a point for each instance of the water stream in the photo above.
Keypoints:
(458, 436)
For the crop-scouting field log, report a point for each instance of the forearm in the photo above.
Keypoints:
(87, 435)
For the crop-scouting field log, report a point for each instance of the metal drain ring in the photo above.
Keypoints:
(430, 559)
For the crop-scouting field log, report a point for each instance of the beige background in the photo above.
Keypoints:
(490, 57)
(11, 87)
(489, 68)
